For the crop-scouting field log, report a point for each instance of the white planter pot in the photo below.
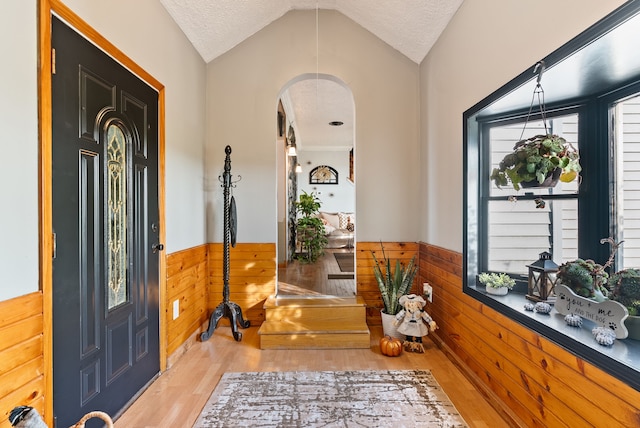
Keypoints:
(500, 291)
(387, 326)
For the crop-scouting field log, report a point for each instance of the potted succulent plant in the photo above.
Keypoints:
(587, 278)
(624, 287)
(538, 161)
(393, 283)
(496, 283)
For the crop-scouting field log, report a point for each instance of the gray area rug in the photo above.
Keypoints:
(345, 261)
(400, 398)
(346, 264)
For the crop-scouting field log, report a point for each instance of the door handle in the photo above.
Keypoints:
(157, 247)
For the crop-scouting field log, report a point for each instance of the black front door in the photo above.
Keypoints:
(105, 220)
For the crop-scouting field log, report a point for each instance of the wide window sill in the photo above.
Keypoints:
(621, 360)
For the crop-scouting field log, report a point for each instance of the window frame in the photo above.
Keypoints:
(485, 168)
(596, 194)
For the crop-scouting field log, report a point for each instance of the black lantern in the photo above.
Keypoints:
(542, 279)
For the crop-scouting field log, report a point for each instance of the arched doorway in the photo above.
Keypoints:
(316, 118)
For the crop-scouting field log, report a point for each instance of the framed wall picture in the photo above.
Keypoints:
(351, 170)
(323, 174)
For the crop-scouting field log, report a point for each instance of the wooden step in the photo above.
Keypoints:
(314, 323)
(330, 309)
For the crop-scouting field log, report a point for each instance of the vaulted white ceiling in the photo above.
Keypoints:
(409, 26)
(216, 26)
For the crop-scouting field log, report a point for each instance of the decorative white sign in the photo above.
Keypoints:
(606, 314)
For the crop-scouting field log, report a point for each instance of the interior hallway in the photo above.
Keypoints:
(313, 279)
(176, 398)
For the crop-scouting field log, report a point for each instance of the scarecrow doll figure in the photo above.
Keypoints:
(411, 322)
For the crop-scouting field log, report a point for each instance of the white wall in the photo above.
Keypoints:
(242, 90)
(485, 45)
(400, 176)
(19, 147)
(144, 31)
(334, 197)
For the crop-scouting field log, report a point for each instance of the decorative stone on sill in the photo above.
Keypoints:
(542, 308)
(573, 320)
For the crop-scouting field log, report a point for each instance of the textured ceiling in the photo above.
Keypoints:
(409, 26)
(310, 105)
(216, 26)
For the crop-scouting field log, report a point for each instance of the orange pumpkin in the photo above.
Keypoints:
(390, 346)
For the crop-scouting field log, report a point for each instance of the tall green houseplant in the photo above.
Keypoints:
(393, 283)
(309, 228)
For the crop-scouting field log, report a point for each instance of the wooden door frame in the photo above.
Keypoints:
(45, 9)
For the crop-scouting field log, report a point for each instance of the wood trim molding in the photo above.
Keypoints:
(22, 373)
(187, 280)
(530, 377)
(495, 402)
(45, 201)
(45, 9)
(252, 278)
(366, 285)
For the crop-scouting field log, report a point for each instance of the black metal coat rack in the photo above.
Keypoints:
(227, 308)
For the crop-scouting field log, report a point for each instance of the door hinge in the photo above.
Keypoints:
(53, 60)
(54, 245)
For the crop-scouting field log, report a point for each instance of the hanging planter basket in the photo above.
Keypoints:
(541, 160)
(550, 180)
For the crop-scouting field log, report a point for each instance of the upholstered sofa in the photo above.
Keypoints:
(339, 228)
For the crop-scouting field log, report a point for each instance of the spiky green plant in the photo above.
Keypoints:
(393, 283)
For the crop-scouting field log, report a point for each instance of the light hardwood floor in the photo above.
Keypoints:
(312, 279)
(176, 398)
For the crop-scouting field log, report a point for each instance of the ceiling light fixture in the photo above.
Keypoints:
(298, 168)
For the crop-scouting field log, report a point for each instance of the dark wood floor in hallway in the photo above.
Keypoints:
(176, 398)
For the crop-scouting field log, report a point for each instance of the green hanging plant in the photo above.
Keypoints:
(535, 159)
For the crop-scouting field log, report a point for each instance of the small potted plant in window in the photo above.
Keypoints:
(496, 283)
(624, 287)
(587, 278)
(538, 161)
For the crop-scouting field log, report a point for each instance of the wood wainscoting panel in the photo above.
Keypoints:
(252, 278)
(21, 355)
(529, 378)
(186, 283)
(366, 286)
